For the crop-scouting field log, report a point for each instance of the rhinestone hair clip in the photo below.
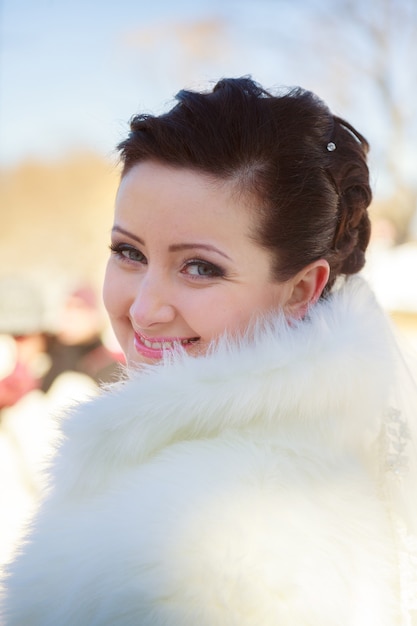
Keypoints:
(331, 146)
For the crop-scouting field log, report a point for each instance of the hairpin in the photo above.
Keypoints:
(331, 146)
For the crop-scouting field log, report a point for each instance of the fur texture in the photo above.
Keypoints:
(236, 489)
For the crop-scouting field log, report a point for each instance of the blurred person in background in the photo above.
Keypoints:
(77, 343)
(23, 347)
(44, 367)
(24, 428)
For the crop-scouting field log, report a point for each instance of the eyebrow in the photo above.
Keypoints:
(121, 230)
(175, 247)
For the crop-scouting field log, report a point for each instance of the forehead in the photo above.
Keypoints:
(156, 192)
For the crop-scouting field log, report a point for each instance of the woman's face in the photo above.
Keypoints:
(183, 267)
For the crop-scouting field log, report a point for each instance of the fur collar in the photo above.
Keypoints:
(324, 375)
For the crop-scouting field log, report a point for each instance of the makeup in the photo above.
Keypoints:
(154, 348)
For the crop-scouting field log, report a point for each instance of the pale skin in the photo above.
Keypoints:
(184, 268)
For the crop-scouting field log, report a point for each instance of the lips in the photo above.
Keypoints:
(154, 348)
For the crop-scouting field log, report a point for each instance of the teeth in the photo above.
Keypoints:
(157, 345)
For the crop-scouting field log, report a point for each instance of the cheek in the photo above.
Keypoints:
(237, 314)
(233, 317)
(112, 291)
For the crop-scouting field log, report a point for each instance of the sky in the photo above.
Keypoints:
(64, 73)
(72, 72)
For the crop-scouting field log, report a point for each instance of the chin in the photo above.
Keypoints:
(134, 362)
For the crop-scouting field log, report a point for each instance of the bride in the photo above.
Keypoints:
(256, 465)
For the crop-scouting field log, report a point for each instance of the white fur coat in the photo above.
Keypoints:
(236, 489)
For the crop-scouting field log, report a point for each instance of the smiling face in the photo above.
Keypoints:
(183, 267)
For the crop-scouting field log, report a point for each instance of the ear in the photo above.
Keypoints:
(306, 288)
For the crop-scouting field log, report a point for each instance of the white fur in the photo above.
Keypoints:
(234, 489)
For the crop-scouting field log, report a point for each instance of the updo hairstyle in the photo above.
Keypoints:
(302, 169)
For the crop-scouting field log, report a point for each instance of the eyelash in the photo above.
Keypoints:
(216, 271)
(120, 250)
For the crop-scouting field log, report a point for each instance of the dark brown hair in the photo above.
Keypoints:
(305, 167)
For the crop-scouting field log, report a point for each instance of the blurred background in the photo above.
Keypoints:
(72, 73)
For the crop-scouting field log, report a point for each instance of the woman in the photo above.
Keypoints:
(241, 474)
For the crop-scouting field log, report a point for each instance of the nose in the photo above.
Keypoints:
(152, 303)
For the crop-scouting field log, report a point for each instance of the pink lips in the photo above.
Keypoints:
(154, 348)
